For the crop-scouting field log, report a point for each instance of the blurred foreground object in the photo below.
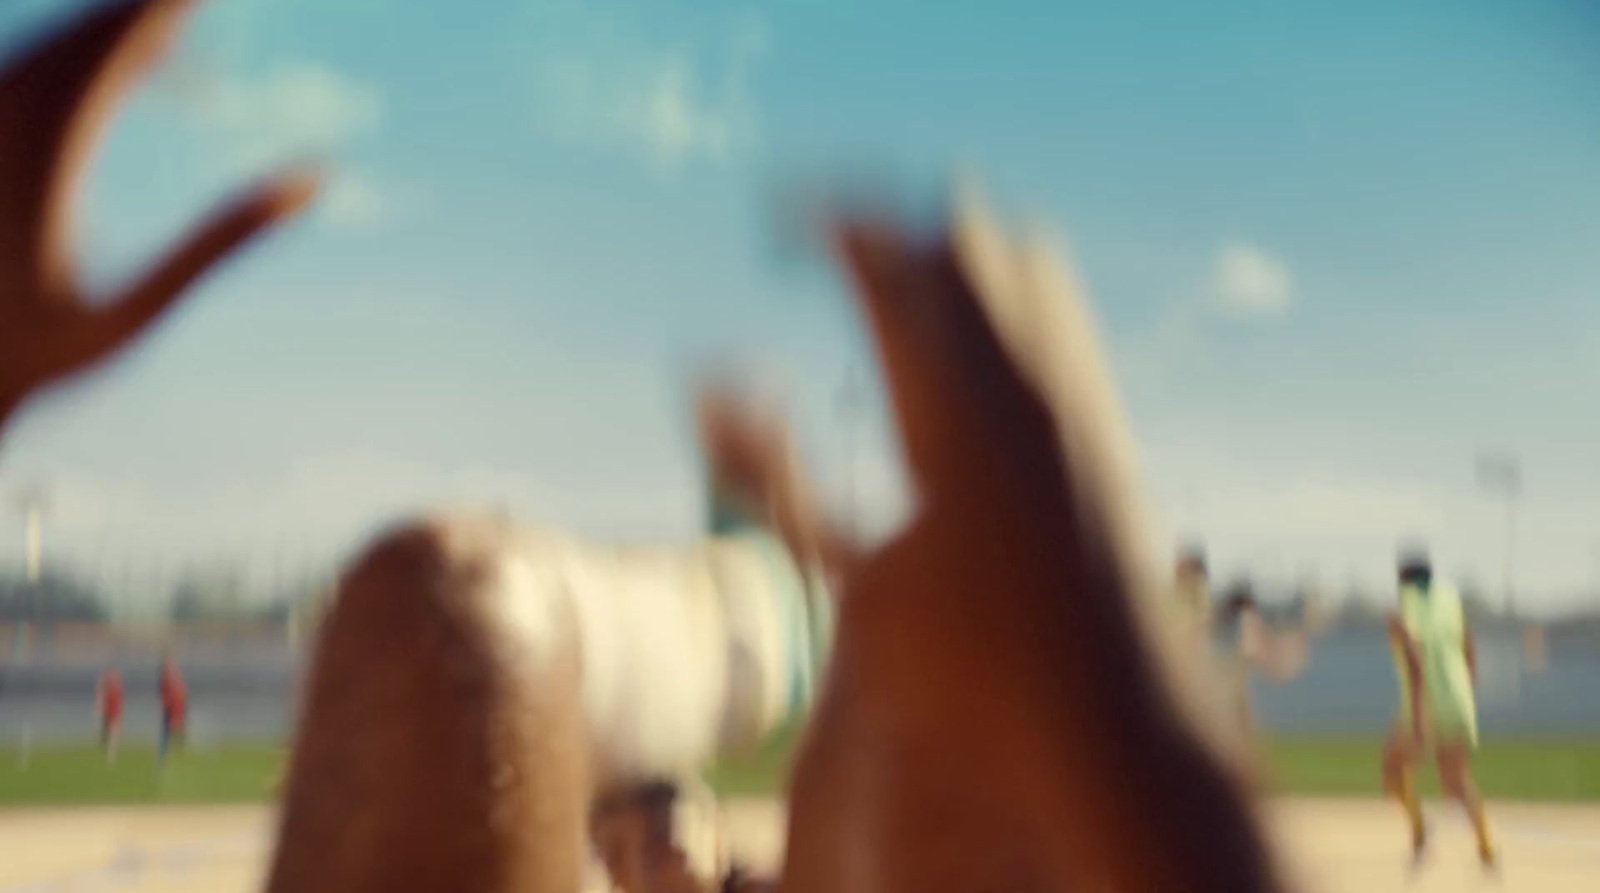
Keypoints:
(996, 715)
(485, 698)
(55, 101)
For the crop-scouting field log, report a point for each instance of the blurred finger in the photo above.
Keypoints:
(898, 300)
(54, 102)
(235, 224)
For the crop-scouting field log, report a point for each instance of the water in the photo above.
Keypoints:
(1348, 689)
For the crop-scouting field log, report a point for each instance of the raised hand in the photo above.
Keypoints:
(55, 101)
(753, 456)
(995, 716)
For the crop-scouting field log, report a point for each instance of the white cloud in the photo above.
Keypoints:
(1246, 282)
(294, 111)
(602, 80)
(355, 199)
(1251, 282)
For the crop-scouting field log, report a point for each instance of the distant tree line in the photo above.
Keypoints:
(1359, 607)
(211, 594)
(56, 597)
(216, 593)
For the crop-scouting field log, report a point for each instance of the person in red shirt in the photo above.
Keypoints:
(108, 697)
(174, 705)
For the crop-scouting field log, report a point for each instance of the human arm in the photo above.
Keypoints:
(754, 456)
(1469, 647)
(1411, 660)
(1019, 463)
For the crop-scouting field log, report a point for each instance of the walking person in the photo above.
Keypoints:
(174, 706)
(108, 701)
(1241, 637)
(1436, 662)
(1241, 644)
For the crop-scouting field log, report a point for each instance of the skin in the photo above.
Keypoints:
(994, 716)
(439, 743)
(1452, 759)
(1075, 764)
(422, 761)
(637, 842)
(757, 460)
(1259, 649)
(55, 101)
(1402, 751)
(56, 98)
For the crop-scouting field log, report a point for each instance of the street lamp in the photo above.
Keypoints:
(1500, 473)
(32, 501)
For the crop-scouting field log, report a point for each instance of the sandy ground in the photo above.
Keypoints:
(1335, 846)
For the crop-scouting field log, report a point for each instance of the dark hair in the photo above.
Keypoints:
(1236, 604)
(1414, 567)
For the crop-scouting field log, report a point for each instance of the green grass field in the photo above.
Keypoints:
(81, 776)
(1519, 769)
(1547, 770)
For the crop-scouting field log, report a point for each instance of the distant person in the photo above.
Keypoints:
(1436, 662)
(1239, 634)
(108, 700)
(1242, 644)
(174, 706)
(1193, 593)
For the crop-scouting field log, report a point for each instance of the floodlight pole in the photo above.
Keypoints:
(33, 501)
(1511, 553)
(1501, 473)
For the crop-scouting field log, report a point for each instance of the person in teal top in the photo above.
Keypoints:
(1436, 665)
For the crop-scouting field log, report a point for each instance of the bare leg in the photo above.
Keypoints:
(1454, 761)
(1399, 781)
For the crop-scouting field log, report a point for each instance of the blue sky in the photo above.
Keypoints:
(1337, 252)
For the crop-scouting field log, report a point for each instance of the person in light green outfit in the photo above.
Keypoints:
(1437, 667)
